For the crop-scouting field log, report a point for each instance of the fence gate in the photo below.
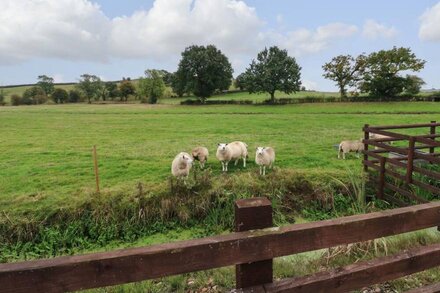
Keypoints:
(403, 159)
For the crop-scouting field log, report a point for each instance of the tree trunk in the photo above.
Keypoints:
(272, 97)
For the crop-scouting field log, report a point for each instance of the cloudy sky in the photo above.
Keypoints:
(112, 39)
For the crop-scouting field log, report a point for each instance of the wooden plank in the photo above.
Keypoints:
(406, 126)
(362, 274)
(136, 264)
(434, 288)
(250, 214)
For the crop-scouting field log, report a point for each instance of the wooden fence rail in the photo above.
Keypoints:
(255, 249)
(387, 159)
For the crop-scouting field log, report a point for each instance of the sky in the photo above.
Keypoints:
(115, 39)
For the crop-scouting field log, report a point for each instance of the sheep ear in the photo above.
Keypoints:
(218, 144)
(183, 156)
(227, 144)
(256, 148)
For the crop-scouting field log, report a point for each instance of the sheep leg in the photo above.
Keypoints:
(244, 162)
(357, 155)
(343, 155)
(226, 166)
(236, 163)
(261, 170)
(223, 166)
(339, 154)
(264, 170)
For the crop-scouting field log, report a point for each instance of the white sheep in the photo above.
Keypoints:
(347, 146)
(200, 154)
(181, 165)
(377, 136)
(264, 157)
(233, 151)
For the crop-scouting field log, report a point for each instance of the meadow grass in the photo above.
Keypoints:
(45, 151)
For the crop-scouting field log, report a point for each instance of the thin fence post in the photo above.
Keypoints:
(95, 161)
(432, 132)
(380, 192)
(250, 214)
(410, 162)
(366, 136)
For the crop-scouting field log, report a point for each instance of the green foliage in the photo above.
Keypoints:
(381, 77)
(240, 81)
(273, 70)
(91, 86)
(112, 90)
(126, 88)
(152, 86)
(413, 85)
(345, 70)
(60, 96)
(202, 71)
(16, 100)
(34, 96)
(46, 83)
(74, 96)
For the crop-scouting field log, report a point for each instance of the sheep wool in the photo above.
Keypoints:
(181, 165)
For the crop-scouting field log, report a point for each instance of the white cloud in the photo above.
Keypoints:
(68, 29)
(171, 25)
(305, 41)
(430, 24)
(374, 30)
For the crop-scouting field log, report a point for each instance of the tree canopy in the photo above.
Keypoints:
(345, 70)
(90, 86)
(152, 86)
(46, 83)
(202, 70)
(381, 77)
(126, 88)
(273, 70)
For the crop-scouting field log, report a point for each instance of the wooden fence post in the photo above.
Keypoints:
(432, 132)
(380, 192)
(410, 162)
(366, 136)
(95, 161)
(250, 214)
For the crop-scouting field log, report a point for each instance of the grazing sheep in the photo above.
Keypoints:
(200, 154)
(380, 136)
(347, 146)
(264, 157)
(181, 165)
(233, 151)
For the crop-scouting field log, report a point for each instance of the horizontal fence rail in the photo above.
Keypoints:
(71, 273)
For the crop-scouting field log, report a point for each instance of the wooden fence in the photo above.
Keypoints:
(250, 251)
(411, 155)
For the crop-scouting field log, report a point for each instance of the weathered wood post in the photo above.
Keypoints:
(432, 132)
(250, 214)
(380, 192)
(95, 161)
(366, 136)
(410, 162)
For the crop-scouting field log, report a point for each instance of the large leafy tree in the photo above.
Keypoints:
(126, 88)
(382, 74)
(273, 70)
(203, 70)
(46, 83)
(152, 86)
(413, 84)
(90, 86)
(111, 89)
(34, 95)
(345, 70)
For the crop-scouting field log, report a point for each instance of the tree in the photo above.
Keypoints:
(240, 81)
(90, 86)
(203, 70)
(381, 77)
(74, 96)
(60, 96)
(126, 88)
(152, 86)
(33, 96)
(273, 70)
(2, 97)
(345, 70)
(46, 83)
(112, 90)
(177, 85)
(413, 84)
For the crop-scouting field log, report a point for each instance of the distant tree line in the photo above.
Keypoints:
(204, 71)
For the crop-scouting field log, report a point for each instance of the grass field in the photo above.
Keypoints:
(46, 167)
(45, 151)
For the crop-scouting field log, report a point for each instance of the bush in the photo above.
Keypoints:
(33, 96)
(16, 100)
(74, 96)
(59, 96)
(192, 102)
